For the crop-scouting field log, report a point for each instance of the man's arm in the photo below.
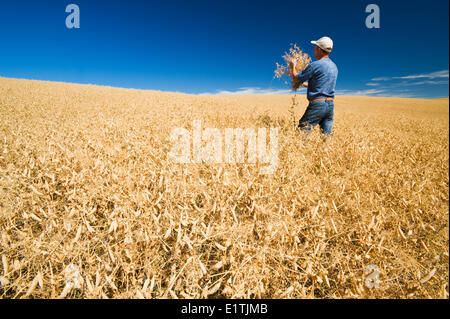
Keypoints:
(300, 79)
(297, 84)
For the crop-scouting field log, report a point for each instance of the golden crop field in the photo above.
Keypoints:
(92, 207)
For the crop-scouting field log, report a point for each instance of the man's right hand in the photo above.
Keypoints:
(293, 66)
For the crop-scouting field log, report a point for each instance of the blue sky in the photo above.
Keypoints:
(226, 47)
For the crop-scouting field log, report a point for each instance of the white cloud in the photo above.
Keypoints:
(251, 91)
(402, 95)
(374, 92)
(381, 79)
(372, 84)
(369, 92)
(432, 75)
(425, 83)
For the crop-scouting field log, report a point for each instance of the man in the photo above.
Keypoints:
(321, 76)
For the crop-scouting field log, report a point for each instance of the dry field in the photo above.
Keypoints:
(91, 206)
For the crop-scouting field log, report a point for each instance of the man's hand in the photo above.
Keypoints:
(295, 83)
(293, 67)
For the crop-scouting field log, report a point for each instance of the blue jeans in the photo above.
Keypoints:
(318, 112)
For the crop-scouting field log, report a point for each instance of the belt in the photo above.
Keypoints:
(323, 99)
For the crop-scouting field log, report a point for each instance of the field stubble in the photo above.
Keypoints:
(90, 202)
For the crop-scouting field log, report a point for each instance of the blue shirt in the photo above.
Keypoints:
(321, 76)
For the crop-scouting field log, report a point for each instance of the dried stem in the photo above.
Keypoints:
(284, 72)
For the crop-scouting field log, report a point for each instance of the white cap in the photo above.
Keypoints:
(324, 43)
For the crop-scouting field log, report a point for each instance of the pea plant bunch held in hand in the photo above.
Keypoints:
(296, 60)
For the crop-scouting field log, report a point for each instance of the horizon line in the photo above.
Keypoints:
(211, 94)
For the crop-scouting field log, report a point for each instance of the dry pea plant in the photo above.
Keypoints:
(91, 206)
(284, 72)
